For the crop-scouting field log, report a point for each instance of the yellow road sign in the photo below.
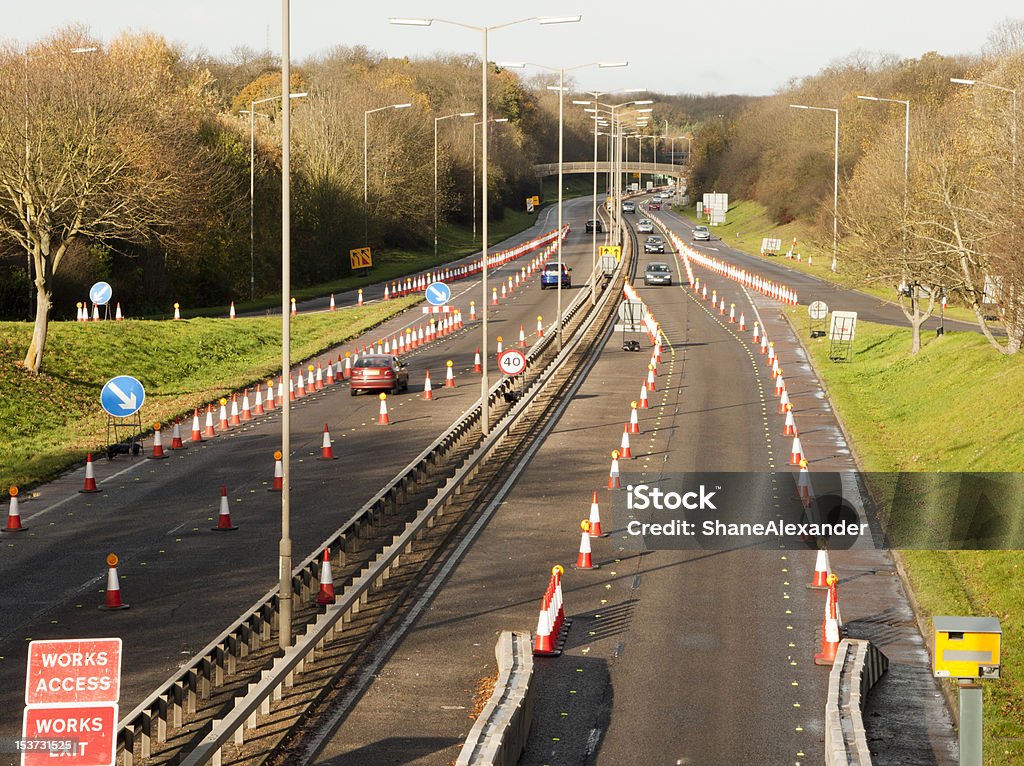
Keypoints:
(360, 258)
(966, 647)
(611, 250)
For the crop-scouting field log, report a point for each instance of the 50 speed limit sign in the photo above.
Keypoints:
(512, 362)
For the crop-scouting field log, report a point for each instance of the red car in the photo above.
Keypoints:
(379, 372)
(654, 204)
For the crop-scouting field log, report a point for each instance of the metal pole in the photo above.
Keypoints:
(593, 230)
(484, 383)
(284, 636)
(366, 184)
(970, 724)
(558, 239)
(835, 198)
(435, 186)
(252, 193)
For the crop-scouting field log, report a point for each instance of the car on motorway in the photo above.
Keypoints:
(628, 207)
(702, 232)
(595, 224)
(549, 276)
(665, 195)
(654, 204)
(654, 244)
(645, 226)
(379, 372)
(658, 274)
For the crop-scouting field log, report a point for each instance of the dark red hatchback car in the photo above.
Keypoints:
(379, 372)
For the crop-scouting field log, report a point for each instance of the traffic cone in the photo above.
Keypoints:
(790, 427)
(583, 559)
(522, 337)
(764, 343)
(830, 639)
(595, 518)
(291, 389)
(634, 422)
(231, 311)
(329, 379)
(326, 594)
(359, 300)
(246, 406)
(743, 321)
(775, 368)
(780, 384)
(643, 404)
(118, 316)
(540, 327)
(771, 354)
(783, 401)
(382, 419)
(714, 298)
(13, 516)
(112, 597)
(449, 379)
(494, 296)
(208, 430)
(500, 347)
(332, 302)
(650, 378)
(326, 451)
(757, 332)
(624, 451)
(90, 478)
(300, 387)
(319, 384)
(732, 312)
(543, 642)
(224, 515)
(222, 417)
(177, 311)
(822, 570)
(295, 309)
(477, 365)
(613, 474)
(176, 442)
(258, 408)
(278, 484)
(236, 419)
(158, 444)
(428, 393)
(797, 453)
(348, 365)
(472, 311)
(803, 484)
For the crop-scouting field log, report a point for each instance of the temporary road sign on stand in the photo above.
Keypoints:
(438, 293)
(360, 258)
(80, 735)
(611, 250)
(512, 362)
(816, 313)
(122, 396)
(100, 293)
(85, 670)
(841, 334)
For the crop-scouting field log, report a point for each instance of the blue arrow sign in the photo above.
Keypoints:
(438, 293)
(122, 396)
(100, 293)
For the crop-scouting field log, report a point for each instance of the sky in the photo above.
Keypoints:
(750, 47)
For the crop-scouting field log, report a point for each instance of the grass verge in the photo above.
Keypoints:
(49, 421)
(953, 407)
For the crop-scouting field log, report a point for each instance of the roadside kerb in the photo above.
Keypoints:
(858, 666)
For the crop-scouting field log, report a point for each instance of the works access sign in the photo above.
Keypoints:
(73, 671)
(79, 735)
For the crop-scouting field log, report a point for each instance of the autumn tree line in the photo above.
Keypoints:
(945, 217)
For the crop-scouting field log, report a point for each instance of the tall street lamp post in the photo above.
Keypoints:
(835, 179)
(484, 31)
(437, 120)
(475, 126)
(366, 167)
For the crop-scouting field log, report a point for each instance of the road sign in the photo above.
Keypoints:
(100, 293)
(122, 396)
(361, 258)
(512, 362)
(438, 293)
(631, 316)
(966, 647)
(611, 250)
(73, 670)
(817, 310)
(529, 204)
(843, 327)
(80, 735)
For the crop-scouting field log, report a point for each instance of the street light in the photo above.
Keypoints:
(251, 111)
(835, 179)
(475, 125)
(437, 120)
(366, 168)
(484, 31)
(561, 123)
(1013, 107)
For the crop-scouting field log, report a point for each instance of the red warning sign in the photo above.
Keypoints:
(73, 671)
(79, 735)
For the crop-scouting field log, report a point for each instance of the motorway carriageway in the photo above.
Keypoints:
(673, 657)
(184, 583)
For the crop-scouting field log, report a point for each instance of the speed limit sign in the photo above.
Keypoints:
(512, 362)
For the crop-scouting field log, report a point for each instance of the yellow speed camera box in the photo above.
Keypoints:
(966, 647)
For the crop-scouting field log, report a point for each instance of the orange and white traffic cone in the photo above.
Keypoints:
(732, 313)
(236, 419)
(472, 311)
(540, 327)
(208, 430)
(822, 570)
(231, 311)
(300, 387)
(359, 300)
(783, 401)
(743, 322)
(112, 597)
(757, 332)
(13, 515)
(258, 407)
(224, 514)
(246, 406)
(332, 306)
(449, 376)
(326, 450)
(428, 391)
(790, 428)
(721, 308)
(501, 348)
(177, 311)
(650, 378)
(326, 594)
(477, 365)
(522, 337)
(222, 418)
(780, 384)
(584, 560)
(90, 477)
(176, 442)
(624, 452)
(797, 452)
(613, 475)
(543, 641)
(803, 484)
(318, 385)
(329, 378)
(634, 421)
(830, 639)
(643, 403)
(595, 518)
(295, 308)
(771, 354)
(278, 484)
(382, 418)
(764, 343)
(158, 444)
(118, 316)
(269, 403)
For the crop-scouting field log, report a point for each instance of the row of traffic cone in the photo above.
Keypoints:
(82, 312)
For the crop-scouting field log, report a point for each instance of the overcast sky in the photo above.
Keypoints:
(734, 46)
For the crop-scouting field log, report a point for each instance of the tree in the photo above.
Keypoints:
(103, 147)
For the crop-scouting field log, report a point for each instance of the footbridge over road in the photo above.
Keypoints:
(646, 168)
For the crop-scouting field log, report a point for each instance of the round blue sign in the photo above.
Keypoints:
(100, 293)
(438, 293)
(122, 396)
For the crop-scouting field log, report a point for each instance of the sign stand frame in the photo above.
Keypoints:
(127, 435)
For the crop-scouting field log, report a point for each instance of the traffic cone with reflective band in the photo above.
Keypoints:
(224, 515)
(790, 427)
(258, 408)
(743, 321)
(326, 594)
(319, 384)
(300, 387)
(797, 452)
(650, 378)
(732, 313)
(208, 430)
(643, 403)
(222, 419)
(158, 444)
(522, 337)
(540, 327)
(803, 484)
(764, 343)
(278, 484)
(500, 347)
(472, 311)
(291, 389)
(584, 560)
(757, 332)
(775, 368)
(359, 300)
(348, 365)
(634, 421)
(780, 384)
(333, 307)
(714, 298)
(112, 597)
(236, 419)
(595, 518)
(90, 477)
(428, 391)
(477, 365)
(329, 377)
(721, 308)
(822, 570)
(326, 451)
(176, 442)
(13, 516)
(197, 430)
(246, 406)
(295, 309)
(494, 296)
(624, 451)
(613, 474)
(382, 418)
(177, 311)
(543, 642)
(118, 316)
(771, 354)
(830, 639)
(268, 403)
(449, 376)
(783, 401)
(231, 311)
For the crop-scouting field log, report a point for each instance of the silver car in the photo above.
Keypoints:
(702, 232)
(658, 274)
(645, 226)
(654, 244)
